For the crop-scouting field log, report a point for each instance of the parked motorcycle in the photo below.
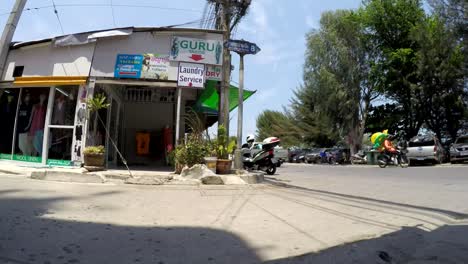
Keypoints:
(359, 158)
(261, 160)
(397, 158)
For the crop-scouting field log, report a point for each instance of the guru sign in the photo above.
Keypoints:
(205, 51)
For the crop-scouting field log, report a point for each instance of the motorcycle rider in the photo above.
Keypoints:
(250, 141)
(388, 145)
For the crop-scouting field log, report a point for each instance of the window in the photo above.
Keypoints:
(31, 122)
(426, 143)
(8, 105)
(63, 113)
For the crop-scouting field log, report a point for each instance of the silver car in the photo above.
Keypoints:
(425, 149)
(459, 150)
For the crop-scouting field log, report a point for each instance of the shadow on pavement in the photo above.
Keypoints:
(281, 184)
(29, 234)
(448, 244)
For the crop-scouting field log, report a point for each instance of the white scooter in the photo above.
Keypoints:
(261, 160)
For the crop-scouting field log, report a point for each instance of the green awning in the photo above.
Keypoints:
(208, 100)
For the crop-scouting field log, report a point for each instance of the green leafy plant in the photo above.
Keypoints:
(192, 151)
(94, 150)
(224, 147)
(97, 102)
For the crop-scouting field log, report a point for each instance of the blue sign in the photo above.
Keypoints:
(128, 66)
(242, 46)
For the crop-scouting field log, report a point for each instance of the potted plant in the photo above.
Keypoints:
(94, 155)
(223, 163)
(210, 158)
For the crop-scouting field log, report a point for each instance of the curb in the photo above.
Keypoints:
(253, 178)
(67, 177)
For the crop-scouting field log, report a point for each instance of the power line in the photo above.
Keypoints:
(108, 5)
(58, 18)
(198, 21)
(112, 9)
(136, 6)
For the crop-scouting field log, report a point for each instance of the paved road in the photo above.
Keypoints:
(307, 214)
(441, 187)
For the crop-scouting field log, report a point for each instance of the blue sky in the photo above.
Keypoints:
(277, 26)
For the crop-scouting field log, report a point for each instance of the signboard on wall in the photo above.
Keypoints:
(142, 66)
(128, 66)
(196, 50)
(155, 66)
(214, 72)
(191, 75)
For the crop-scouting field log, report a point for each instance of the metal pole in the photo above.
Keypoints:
(179, 102)
(240, 111)
(9, 31)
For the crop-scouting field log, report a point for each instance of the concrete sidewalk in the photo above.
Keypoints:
(156, 176)
(46, 222)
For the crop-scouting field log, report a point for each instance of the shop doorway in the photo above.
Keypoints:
(60, 128)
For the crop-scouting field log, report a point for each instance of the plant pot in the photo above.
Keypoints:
(211, 163)
(178, 168)
(223, 166)
(94, 160)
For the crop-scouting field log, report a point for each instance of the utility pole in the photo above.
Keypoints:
(228, 14)
(9, 31)
(223, 113)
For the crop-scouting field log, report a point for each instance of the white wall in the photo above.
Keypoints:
(138, 43)
(45, 60)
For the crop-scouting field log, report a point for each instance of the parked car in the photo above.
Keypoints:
(338, 155)
(292, 152)
(300, 155)
(281, 155)
(459, 150)
(425, 149)
(313, 156)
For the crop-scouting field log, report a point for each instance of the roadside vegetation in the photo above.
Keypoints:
(387, 65)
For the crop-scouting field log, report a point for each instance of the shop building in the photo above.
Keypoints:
(150, 76)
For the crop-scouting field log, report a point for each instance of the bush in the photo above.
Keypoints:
(224, 148)
(192, 151)
(93, 150)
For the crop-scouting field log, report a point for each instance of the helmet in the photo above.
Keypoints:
(250, 138)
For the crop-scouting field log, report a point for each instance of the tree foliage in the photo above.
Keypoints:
(387, 49)
(276, 124)
(338, 85)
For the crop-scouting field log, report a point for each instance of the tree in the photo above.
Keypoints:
(276, 124)
(338, 89)
(454, 14)
(440, 71)
(389, 25)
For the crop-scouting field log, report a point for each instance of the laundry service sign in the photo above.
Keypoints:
(196, 50)
(191, 75)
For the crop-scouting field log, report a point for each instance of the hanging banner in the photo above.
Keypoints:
(196, 50)
(191, 75)
(142, 66)
(213, 72)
